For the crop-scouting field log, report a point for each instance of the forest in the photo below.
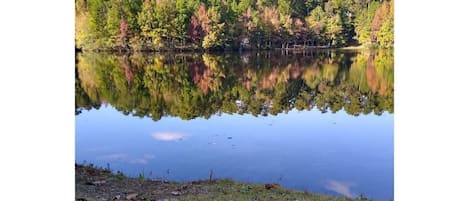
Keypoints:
(158, 25)
(189, 85)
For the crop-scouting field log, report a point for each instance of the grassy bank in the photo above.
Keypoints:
(92, 184)
(360, 47)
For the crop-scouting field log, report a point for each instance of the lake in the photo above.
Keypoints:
(320, 121)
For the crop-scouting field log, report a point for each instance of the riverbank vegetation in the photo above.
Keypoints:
(92, 184)
(157, 25)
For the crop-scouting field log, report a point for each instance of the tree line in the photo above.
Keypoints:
(265, 83)
(152, 25)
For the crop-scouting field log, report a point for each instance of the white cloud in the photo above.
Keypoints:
(168, 136)
(340, 188)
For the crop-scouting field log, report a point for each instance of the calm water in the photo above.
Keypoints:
(319, 121)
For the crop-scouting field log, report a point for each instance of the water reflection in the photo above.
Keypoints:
(120, 157)
(168, 136)
(264, 83)
(114, 157)
(342, 188)
(249, 118)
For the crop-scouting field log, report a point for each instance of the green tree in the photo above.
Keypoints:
(317, 22)
(97, 23)
(215, 37)
(82, 30)
(334, 31)
(113, 22)
(284, 7)
(184, 10)
(385, 35)
(363, 22)
(147, 23)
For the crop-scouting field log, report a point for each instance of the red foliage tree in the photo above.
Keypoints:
(380, 16)
(204, 20)
(195, 32)
(124, 27)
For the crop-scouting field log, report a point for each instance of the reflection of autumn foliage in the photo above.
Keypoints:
(194, 85)
(296, 70)
(197, 70)
(270, 80)
(247, 79)
(128, 71)
(205, 81)
(377, 80)
(281, 74)
(371, 75)
(201, 76)
(87, 75)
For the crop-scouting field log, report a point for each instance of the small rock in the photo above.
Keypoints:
(117, 197)
(131, 196)
(271, 186)
(176, 193)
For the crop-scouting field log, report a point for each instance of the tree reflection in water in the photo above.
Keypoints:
(257, 83)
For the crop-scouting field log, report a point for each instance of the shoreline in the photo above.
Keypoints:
(359, 47)
(93, 183)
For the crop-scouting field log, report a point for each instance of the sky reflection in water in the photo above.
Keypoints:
(307, 150)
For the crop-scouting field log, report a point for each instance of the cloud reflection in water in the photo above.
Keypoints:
(168, 136)
(115, 157)
(139, 161)
(125, 158)
(342, 188)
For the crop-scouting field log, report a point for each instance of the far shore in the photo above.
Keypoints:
(198, 50)
(93, 184)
